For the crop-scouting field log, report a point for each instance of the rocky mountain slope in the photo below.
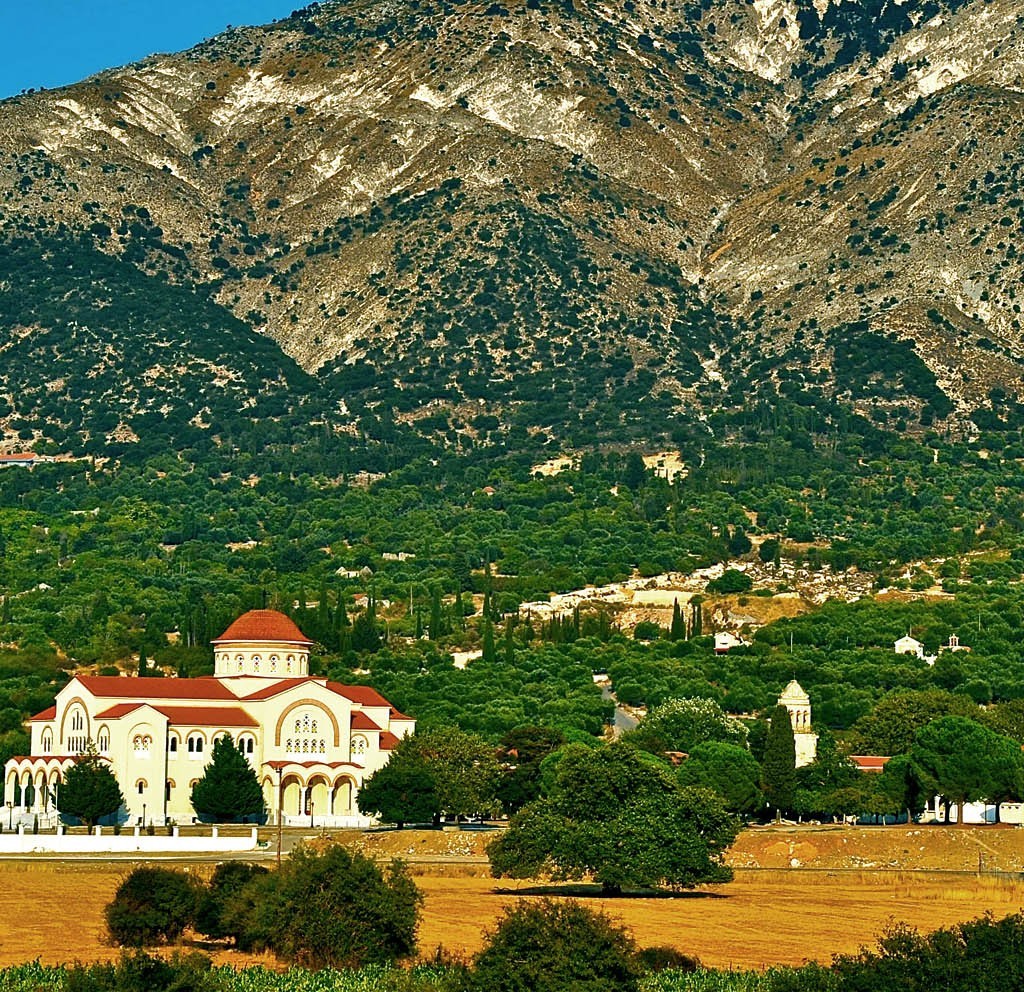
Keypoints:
(584, 220)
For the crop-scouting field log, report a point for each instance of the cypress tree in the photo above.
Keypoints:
(488, 640)
(434, 627)
(696, 617)
(677, 631)
(778, 767)
(510, 646)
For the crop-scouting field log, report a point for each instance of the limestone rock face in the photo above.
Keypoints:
(708, 195)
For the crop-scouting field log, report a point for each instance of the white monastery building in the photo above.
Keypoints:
(311, 741)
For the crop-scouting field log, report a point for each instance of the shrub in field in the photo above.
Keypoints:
(152, 906)
(654, 959)
(227, 881)
(552, 946)
(333, 909)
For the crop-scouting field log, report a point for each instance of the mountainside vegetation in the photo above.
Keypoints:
(539, 223)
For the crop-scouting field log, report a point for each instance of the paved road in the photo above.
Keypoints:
(622, 721)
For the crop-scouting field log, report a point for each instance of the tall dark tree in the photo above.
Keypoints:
(677, 630)
(634, 473)
(488, 639)
(229, 790)
(90, 790)
(778, 767)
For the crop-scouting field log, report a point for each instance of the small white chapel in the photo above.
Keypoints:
(312, 742)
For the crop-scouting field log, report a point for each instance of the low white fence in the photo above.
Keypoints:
(105, 841)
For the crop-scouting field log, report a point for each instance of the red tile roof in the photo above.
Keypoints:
(361, 694)
(193, 716)
(115, 687)
(360, 721)
(388, 741)
(263, 625)
(207, 716)
(869, 762)
(313, 764)
(119, 710)
(50, 713)
(25, 457)
(395, 715)
(279, 686)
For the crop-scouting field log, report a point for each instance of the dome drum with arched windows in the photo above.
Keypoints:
(311, 741)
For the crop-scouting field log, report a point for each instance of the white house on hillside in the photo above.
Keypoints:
(311, 741)
(909, 645)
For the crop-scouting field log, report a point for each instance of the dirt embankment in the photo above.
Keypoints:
(933, 848)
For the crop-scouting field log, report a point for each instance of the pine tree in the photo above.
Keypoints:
(229, 790)
(778, 767)
(89, 790)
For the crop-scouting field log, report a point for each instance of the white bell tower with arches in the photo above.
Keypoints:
(798, 703)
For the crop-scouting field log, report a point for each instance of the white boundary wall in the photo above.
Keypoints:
(102, 841)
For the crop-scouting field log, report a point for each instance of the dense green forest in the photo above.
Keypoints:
(105, 559)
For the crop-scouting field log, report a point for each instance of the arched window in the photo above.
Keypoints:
(172, 743)
(168, 785)
(140, 786)
(47, 744)
(273, 662)
(195, 745)
(359, 744)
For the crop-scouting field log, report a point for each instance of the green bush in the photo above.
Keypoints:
(335, 909)
(152, 906)
(227, 881)
(551, 946)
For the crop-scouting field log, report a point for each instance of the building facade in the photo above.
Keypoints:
(312, 742)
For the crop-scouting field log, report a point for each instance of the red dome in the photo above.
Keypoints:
(263, 625)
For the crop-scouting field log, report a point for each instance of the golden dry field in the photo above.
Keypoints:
(54, 910)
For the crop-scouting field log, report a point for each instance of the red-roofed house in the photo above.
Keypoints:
(312, 742)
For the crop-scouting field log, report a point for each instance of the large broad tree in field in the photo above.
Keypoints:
(229, 789)
(962, 761)
(442, 770)
(619, 816)
(778, 767)
(89, 791)
(682, 724)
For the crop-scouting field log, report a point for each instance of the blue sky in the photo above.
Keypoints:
(55, 42)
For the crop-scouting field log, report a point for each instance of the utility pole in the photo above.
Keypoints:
(279, 816)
